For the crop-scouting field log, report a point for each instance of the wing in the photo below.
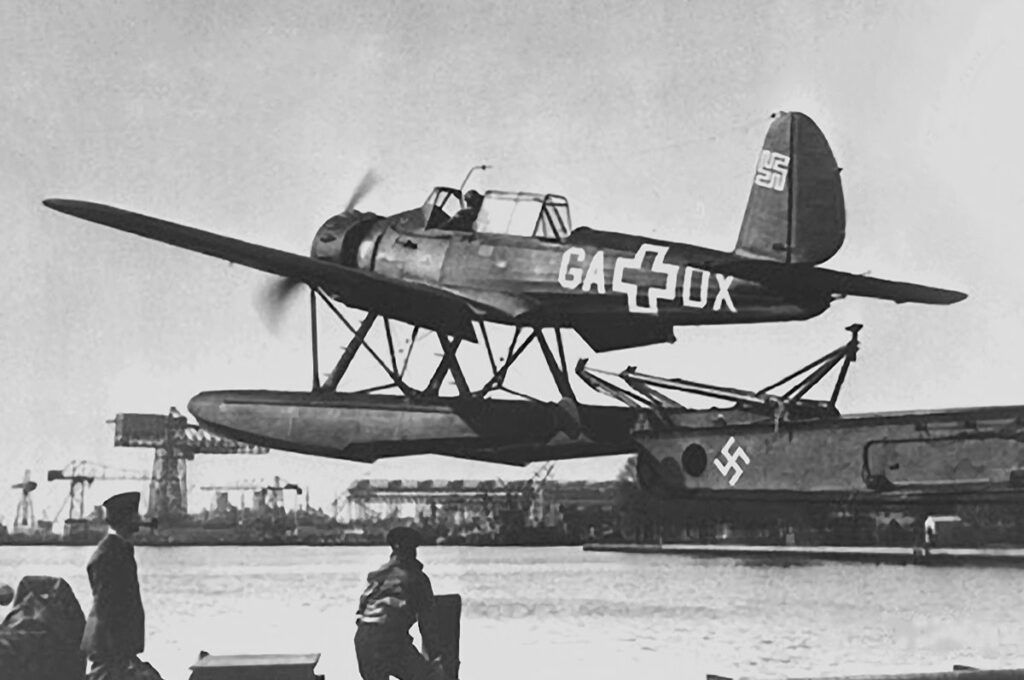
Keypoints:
(800, 279)
(413, 303)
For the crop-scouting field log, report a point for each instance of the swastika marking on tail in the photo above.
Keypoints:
(772, 170)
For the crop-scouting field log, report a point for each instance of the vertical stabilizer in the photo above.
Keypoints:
(795, 213)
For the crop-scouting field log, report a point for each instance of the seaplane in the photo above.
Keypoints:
(464, 260)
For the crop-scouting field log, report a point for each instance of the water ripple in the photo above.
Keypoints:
(541, 612)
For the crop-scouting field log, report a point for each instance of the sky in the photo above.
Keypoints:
(257, 120)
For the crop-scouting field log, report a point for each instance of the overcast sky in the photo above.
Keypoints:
(257, 120)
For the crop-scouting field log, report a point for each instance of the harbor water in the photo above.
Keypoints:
(558, 613)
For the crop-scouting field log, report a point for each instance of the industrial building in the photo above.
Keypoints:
(537, 510)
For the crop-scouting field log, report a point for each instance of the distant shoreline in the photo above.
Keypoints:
(864, 554)
(284, 542)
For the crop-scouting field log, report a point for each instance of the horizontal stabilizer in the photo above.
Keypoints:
(796, 280)
(409, 302)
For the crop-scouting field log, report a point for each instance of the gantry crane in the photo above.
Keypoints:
(273, 494)
(237, 486)
(528, 493)
(265, 496)
(24, 515)
(82, 473)
(175, 441)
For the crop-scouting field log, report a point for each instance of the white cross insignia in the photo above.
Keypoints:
(659, 266)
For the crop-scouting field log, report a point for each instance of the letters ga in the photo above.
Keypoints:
(693, 289)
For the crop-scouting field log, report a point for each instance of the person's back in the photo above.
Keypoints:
(397, 595)
(116, 624)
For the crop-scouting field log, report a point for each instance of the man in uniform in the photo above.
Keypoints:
(397, 595)
(115, 630)
(463, 220)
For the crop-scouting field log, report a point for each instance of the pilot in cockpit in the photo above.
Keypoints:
(464, 219)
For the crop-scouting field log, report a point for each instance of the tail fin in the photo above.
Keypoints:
(795, 213)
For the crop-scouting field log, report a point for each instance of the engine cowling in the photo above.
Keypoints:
(349, 239)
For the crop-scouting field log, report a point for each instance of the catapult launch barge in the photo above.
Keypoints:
(773, 444)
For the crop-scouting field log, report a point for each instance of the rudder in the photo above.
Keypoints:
(795, 213)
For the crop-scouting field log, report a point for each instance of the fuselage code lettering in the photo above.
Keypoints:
(646, 279)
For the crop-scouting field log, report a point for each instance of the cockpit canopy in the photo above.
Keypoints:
(515, 213)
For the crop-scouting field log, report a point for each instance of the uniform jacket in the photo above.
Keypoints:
(397, 595)
(116, 626)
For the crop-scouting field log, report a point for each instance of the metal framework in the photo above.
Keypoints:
(24, 514)
(81, 474)
(483, 501)
(783, 400)
(175, 441)
(552, 223)
(448, 364)
(641, 391)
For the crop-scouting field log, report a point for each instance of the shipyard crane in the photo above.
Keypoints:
(253, 487)
(82, 473)
(523, 499)
(355, 507)
(272, 497)
(527, 491)
(536, 490)
(24, 515)
(340, 507)
(265, 496)
(273, 494)
(238, 486)
(175, 441)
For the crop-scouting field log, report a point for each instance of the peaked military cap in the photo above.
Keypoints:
(404, 537)
(123, 505)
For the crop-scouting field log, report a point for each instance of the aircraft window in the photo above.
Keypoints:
(441, 205)
(523, 214)
(507, 217)
(550, 224)
(450, 202)
(556, 212)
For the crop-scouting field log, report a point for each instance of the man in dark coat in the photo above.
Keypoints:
(397, 595)
(115, 630)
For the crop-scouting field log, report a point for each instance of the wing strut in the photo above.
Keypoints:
(448, 365)
(350, 351)
(314, 340)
